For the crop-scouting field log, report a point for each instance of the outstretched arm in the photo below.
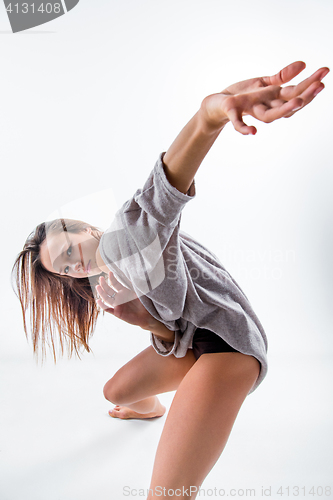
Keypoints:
(263, 98)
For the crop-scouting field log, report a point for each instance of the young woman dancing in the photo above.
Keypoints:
(207, 342)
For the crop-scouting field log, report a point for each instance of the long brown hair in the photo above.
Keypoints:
(63, 303)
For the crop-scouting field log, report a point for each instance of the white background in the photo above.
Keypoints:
(88, 101)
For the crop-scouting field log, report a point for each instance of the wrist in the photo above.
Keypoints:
(211, 117)
(160, 330)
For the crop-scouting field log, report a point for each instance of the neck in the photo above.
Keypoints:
(100, 262)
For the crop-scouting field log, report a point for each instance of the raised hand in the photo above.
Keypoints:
(123, 303)
(263, 98)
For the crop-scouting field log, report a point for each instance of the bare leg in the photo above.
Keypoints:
(133, 388)
(193, 438)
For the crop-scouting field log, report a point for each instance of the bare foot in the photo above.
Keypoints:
(124, 412)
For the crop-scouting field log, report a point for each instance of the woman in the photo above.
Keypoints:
(207, 342)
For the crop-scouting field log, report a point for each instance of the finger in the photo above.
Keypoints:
(311, 92)
(268, 115)
(309, 95)
(260, 110)
(104, 284)
(115, 283)
(276, 103)
(235, 116)
(101, 304)
(105, 296)
(313, 81)
(286, 74)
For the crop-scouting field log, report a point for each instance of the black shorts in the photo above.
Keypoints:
(205, 341)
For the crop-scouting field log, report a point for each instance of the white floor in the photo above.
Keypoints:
(58, 441)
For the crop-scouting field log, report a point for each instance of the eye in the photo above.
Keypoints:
(69, 251)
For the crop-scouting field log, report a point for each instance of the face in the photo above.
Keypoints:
(70, 254)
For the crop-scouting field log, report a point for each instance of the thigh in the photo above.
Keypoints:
(148, 374)
(201, 417)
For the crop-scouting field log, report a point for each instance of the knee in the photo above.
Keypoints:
(113, 391)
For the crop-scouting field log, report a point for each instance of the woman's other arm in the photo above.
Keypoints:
(263, 98)
(123, 303)
(161, 331)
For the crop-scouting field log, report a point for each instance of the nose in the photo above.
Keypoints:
(77, 267)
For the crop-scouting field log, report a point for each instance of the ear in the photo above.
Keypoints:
(88, 230)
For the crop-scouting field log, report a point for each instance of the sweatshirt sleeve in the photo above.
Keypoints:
(160, 199)
(165, 348)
